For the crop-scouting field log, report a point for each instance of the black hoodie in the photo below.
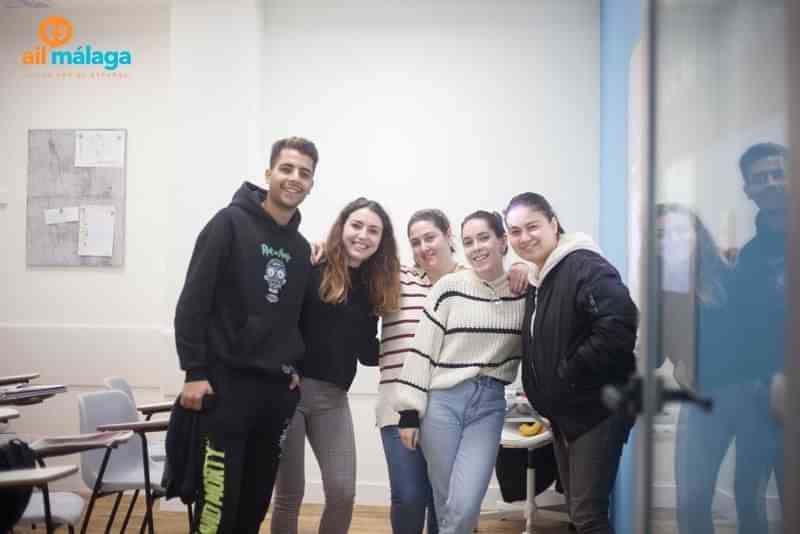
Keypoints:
(240, 305)
(758, 303)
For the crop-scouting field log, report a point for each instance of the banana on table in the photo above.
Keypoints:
(531, 429)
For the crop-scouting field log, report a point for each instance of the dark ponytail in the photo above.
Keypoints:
(536, 202)
(493, 219)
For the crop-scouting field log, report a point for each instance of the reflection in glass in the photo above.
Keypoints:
(722, 329)
(720, 181)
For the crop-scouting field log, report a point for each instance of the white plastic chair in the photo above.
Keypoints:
(121, 384)
(125, 469)
(64, 508)
(156, 447)
(37, 477)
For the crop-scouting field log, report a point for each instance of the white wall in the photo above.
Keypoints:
(217, 84)
(78, 325)
(451, 104)
(456, 105)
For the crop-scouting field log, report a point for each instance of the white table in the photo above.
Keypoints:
(512, 439)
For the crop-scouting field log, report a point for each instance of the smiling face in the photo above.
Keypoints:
(676, 237)
(290, 180)
(431, 247)
(361, 235)
(531, 234)
(483, 249)
(765, 183)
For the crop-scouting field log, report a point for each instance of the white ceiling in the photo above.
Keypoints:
(26, 3)
(70, 4)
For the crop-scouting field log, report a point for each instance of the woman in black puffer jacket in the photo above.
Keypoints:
(578, 336)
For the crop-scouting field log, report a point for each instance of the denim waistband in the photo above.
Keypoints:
(489, 380)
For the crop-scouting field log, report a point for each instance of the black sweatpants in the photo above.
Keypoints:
(244, 435)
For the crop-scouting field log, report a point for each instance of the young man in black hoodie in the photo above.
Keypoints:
(238, 339)
(740, 350)
(758, 302)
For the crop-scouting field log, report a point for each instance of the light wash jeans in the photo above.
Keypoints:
(460, 435)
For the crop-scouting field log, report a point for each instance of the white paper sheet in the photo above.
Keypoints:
(61, 215)
(100, 148)
(96, 231)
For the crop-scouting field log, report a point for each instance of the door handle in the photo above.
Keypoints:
(684, 395)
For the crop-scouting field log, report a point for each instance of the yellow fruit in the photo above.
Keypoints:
(529, 430)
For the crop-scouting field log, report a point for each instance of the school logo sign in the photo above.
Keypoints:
(55, 33)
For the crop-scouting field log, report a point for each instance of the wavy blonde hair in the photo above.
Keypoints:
(381, 271)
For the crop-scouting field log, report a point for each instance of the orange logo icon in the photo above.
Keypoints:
(55, 31)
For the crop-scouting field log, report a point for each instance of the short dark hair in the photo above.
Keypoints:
(759, 152)
(494, 220)
(536, 202)
(302, 145)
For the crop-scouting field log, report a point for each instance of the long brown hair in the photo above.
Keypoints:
(381, 271)
(708, 265)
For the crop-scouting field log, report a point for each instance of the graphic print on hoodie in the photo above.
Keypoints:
(241, 302)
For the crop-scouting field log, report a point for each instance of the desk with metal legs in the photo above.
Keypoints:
(512, 439)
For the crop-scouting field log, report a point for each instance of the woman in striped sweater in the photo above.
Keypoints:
(432, 244)
(466, 349)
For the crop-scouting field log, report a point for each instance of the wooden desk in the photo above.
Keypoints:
(18, 379)
(142, 428)
(7, 414)
(35, 476)
(24, 394)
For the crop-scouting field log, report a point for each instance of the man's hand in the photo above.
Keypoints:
(409, 437)
(518, 278)
(193, 393)
(317, 252)
(295, 381)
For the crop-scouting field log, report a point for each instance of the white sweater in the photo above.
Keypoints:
(469, 327)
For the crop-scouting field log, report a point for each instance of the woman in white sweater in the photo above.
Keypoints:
(466, 349)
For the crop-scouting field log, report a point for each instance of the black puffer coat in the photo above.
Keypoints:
(583, 336)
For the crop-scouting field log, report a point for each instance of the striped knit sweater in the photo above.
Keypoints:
(469, 327)
(397, 336)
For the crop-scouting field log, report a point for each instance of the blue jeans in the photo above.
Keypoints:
(460, 435)
(411, 489)
(741, 412)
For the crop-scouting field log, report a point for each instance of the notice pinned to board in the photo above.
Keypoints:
(96, 230)
(100, 148)
(57, 189)
(61, 215)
